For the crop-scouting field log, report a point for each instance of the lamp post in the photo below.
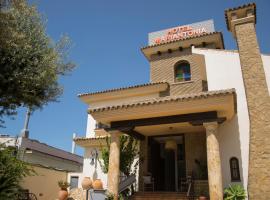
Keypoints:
(25, 131)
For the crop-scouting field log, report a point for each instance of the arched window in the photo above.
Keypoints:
(182, 71)
(234, 166)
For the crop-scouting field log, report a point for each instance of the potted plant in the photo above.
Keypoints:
(109, 196)
(63, 193)
(203, 194)
(235, 192)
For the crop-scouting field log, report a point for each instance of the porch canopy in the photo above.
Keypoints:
(171, 114)
(152, 115)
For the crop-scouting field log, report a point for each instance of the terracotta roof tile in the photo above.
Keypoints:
(89, 138)
(49, 150)
(239, 7)
(188, 38)
(122, 88)
(185, 97)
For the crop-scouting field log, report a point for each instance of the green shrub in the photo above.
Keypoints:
(12, 172)
(110, 196)
(63, 184)
(235, 192)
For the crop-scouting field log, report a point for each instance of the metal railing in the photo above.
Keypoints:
(127, 182)
(190, 189)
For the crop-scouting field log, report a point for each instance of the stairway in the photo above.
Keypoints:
(159, 196)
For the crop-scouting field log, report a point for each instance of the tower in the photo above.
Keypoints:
(241, 22)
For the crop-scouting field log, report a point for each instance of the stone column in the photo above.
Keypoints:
(114, 164)
(213, 161)
(242, 24)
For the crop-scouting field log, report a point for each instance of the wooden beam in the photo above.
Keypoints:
(129, 131)
(135, 134)
(203, 116)
(200, 122)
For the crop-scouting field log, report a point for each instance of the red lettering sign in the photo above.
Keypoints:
(180, 32)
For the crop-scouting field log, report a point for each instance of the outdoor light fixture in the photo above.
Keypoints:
(93, 156)
(170, 145)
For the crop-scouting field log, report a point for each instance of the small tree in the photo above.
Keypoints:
(12, 171)
(128, 152)
(30, 62)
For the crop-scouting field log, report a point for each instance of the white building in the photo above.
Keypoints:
(212, 104)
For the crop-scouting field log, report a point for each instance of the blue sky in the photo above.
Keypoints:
(107, 37)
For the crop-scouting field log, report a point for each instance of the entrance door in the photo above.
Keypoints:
(167, 166)
(169, 170)
(156, 164)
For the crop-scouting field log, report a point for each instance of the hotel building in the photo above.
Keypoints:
(205, 112)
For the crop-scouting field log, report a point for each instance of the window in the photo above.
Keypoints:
(182, 71)
(74, 180)
(234, 165)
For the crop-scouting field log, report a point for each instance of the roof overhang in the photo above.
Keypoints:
(215, 37)
(223, 102)
(137, 90)
(43, 148)
(96, 142)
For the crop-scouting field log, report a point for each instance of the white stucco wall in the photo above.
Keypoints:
(266, 65)
(223, 72)
(91, 125)
(92, 169)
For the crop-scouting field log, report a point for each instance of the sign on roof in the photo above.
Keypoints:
(181, 32)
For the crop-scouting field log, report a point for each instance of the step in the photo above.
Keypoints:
(159, 196)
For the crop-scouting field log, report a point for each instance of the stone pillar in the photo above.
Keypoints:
(213, 161)
(242, 25)
(114, 164)
(143, 163)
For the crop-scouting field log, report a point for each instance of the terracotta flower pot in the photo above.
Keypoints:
(86, 183)
(97, 184)
(202, 198)
(63, 194)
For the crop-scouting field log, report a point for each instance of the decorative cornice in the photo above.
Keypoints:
(237, 8)
(188, 38)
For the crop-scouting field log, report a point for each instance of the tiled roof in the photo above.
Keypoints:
(239, 7)
(49, 150)
(188, 38)
(89, 138)
(122, 88)
(185, 97)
